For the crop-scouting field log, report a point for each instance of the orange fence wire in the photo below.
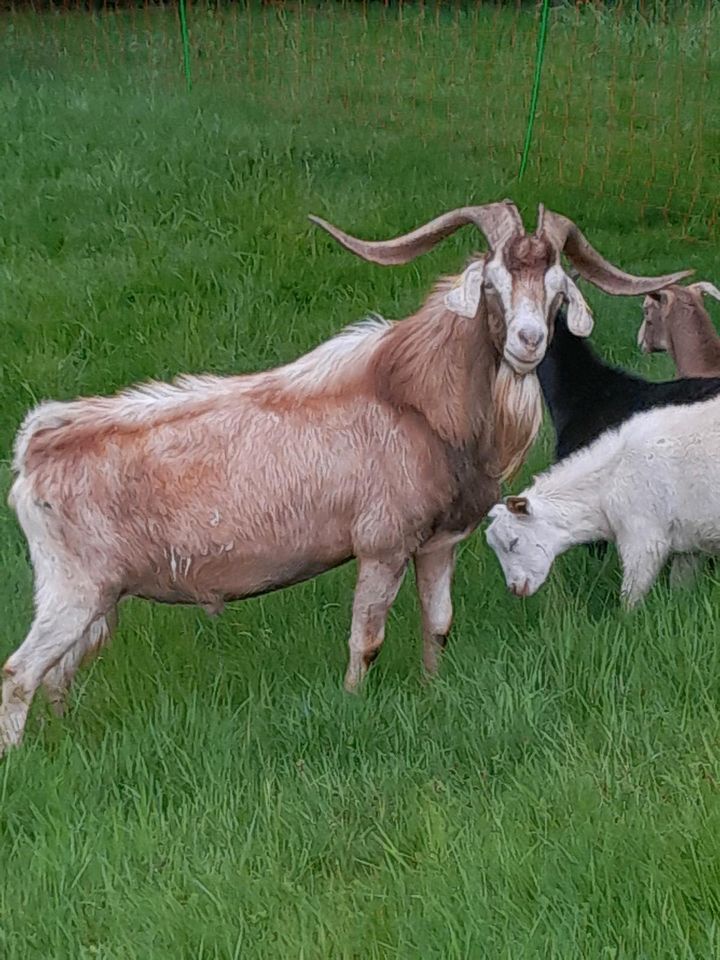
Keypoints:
(628, 106)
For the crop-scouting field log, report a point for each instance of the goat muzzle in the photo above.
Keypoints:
(520, 589)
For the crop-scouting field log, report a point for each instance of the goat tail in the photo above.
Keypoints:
(517, 402)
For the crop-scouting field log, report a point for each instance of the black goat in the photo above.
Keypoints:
(586, 396)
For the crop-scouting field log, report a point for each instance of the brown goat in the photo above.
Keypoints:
(385, 444)
(675, 321)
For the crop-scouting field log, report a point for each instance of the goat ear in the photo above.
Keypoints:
(708, 288)
(463, 297)
(518, 505)
(579, 318)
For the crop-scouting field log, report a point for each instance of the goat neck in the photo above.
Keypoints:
(692, 341)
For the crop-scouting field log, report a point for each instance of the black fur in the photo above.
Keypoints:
(586, 396)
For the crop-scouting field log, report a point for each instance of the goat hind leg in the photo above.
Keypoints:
(642, 562)
(60, 622)
(685, 569)
(433, 574)
(59, 677)
(377, 586)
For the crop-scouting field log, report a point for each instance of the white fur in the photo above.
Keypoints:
(313, 373)
(316, 371)
(527, 320)
(650, 486)
(579, 317)
(463, 297)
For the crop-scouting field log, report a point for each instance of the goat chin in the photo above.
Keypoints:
(517, 401)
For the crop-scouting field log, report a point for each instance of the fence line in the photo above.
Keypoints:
(630, 91)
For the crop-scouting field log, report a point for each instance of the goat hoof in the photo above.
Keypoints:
(353, 679)
(432, 655)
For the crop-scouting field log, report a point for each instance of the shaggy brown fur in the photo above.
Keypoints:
(381, 445)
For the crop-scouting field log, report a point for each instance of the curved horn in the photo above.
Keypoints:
(567, 238)
(702, 286)
(497, 221)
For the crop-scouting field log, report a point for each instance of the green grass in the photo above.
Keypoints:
(213, 793)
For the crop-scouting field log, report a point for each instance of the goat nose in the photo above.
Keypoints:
(520, 589)
(530, 338)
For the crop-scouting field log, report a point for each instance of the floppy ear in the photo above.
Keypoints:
(518, 505)
(463, 297)
(579, 319)
(708, 288)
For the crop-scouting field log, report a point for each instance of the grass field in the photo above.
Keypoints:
(213, 793)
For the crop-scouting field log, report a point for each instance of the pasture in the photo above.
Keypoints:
(213, 792)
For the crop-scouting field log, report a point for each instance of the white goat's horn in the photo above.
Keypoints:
(567, 238)
(497, 221)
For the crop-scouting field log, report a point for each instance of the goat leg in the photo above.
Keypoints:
(377, 586)
(433, 574)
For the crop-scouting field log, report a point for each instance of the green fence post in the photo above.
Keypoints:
(539, 57)
(185, 43)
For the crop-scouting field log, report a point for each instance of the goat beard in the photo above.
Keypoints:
(517, 402)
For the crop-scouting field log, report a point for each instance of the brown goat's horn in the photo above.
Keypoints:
(702, 286)
(566, 237)
(497, 221)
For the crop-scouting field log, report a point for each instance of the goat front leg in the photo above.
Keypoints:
(642, 561)
(377, 586)
(433, 574)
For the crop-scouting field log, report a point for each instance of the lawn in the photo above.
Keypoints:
(212, 792)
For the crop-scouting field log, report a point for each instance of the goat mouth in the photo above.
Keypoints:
(520, 365)
(520, 589)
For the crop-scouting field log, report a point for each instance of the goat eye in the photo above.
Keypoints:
(513, 543)
(490, 286)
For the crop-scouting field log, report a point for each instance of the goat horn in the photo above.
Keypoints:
(497, 221)
(702, 286)
(567, 238)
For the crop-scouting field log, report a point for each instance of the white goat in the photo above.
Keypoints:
(649, 486)
(384, 444)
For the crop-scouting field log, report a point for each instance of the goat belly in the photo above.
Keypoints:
(211, 581)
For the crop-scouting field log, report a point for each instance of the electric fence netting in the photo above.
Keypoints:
(625, 96)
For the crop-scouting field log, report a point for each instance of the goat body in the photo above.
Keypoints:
(378, 445)
(644, 486)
